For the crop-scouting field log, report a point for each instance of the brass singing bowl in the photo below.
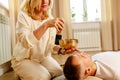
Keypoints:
(68, 43)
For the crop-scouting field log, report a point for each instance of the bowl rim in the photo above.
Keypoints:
(69, 40)
(64, 42)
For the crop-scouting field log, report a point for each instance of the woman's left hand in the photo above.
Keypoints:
(71, 50)
(58, 23)
(68, 51)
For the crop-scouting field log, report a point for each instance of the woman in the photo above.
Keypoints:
(35, 31)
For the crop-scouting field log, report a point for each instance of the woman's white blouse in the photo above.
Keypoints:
(24, 34)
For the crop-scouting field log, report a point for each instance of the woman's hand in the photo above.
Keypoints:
(58, 23)
(71, 50)
(68, 51)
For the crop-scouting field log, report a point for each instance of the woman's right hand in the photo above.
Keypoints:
(58, 23)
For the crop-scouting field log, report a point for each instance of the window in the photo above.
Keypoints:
(85, 10)
(4, 3)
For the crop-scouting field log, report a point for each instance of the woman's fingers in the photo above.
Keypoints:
(71, 50)
(59, 27)
(59, 24)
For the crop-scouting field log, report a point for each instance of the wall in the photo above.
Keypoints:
(3, 10)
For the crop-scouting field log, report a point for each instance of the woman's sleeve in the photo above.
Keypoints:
(52, 41)
(24, 31)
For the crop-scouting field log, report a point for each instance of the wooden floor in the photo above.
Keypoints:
(9, 76)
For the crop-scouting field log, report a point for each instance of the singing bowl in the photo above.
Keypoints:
(68, 43)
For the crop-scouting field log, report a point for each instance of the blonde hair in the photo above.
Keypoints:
(29, 6)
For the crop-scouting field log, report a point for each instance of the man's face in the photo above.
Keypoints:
(82, 58)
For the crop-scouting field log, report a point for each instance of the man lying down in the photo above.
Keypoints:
(105, 65)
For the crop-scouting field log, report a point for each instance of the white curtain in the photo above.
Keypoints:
(116, 24)
(106, 32)
(13, 10)
(64, 11)
(110, 28)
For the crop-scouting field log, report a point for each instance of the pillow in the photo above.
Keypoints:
(62, 77)
(93, 78)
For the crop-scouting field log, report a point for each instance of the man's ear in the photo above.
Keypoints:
(87, 70)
